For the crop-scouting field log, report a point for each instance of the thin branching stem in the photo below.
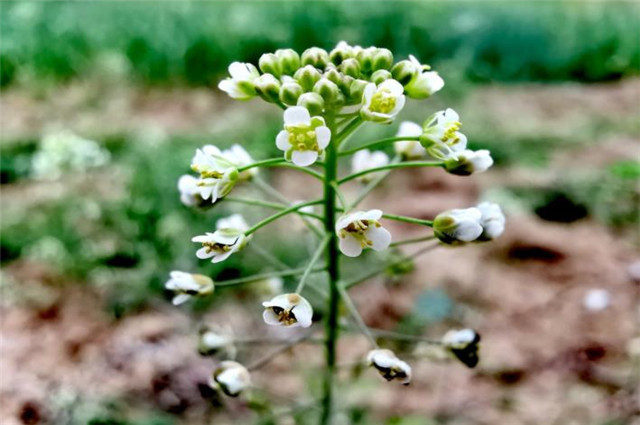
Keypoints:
(411, 164)
(312, 262)
(372, 185)
(268, 275)
(268, 358)
(280, 162)
(282, 213)
(346, 132)
(412, 241)
(406, 219)
(377, 143)
(353, 310)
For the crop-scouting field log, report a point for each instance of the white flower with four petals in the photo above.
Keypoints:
(304, 138)
(361, 229)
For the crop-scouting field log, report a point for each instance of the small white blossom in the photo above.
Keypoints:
(186, 285)
(458, 225)
(463, 344)
(440, 134)
(492, 220)
(365, 160)
(467, 162)
(239, 157)
(212, 342)
(231, 378)
(596, 299)
(381, 104)
(241, 84)
(289, 310)
(389, 366)
(409, 149)
(425, 83)
(217, 175)
(234, 222)
(220, 244)
(189, 191)
(304, 138)
(361, 229)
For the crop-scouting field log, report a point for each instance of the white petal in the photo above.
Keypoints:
(203, 253)
(323, 136)
(239, 71)
(380, 237)
(304, 158)
(297, 115)
(350, 246)
(370, 215)
(393, 86)
(270, 318)
(180, 298)
(344, 221)
(303, 313)
(368, 93)
(400, 101)
(282, 141)
(221, 257)
(409, 129)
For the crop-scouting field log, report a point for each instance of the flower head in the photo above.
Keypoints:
(389, 365)
(231, 378)
(304, 138)
(361, 229)
(440, 134)
(186, 285)
(463, 344)
(234, 222)
(467, 162)
(365, 160)
(240, 86)
(424, 83)
(237, 156)
(382, 103)
(458, 225)
(220, 244)
(409, 149)
(217, 175)
(190, 191)
(289, 310)
(492, 220)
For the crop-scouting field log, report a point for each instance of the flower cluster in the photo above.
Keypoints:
(483, 222)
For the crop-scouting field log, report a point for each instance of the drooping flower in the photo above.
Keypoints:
(239, 157)
(217, 175)
(464, 345)
(186, 285)
(409, 149)
(467, 162)
(492, 220)
(382, 103)
(440, 135)
(389, 365)
(189, 191)
(304, 138)
(231, 378)
(596, 299)
(289, 310)
(241, 84)
(361, 229)
(365, 160)
(424, 83)
(220, 244)
(458, 225)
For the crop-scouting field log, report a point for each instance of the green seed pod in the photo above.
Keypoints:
(329, 91)
(315, 56)
(289, 61)
(380, 76)
(404, 72)
(270, 64)
(307, 77)
(268, 87)
(350, 67)
(382, 59)
(313, 102)
(290, 92)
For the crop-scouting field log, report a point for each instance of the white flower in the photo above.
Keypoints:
(381, 104)
(239, 157)
(220, 244)
(187, 285)
(409, 149)
(389, 365)
(211, 342)
(458, 225)
(467, 162)
(189, 191)
(217, 175)
(425, 83)
(231, 377)
(233, 222)
(463, 344)
(492, 220)
(290, 310)
(304, 138)
(596, 299)
(361, 229)
(440, 134)
(240, 85)
(365, 160)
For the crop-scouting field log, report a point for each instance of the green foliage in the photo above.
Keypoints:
(193, 42)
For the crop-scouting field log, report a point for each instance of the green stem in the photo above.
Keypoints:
(346, 131)
(262, 276)
(372, 184)
(356, 316)
(412, 240)
(389, 167)
(343, 203)
(271, 205)
(377, 143)
(280, 214)
(312, 262)
(406, 219)
(281, 162)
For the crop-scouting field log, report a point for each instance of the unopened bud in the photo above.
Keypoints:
(290, 92)
(289, 61)
(356, 89)
(459, 225)
(307, 76)
(329, 91)
(381, 59)
(313, 102)
(404, 71)
(468, 162)
(365, 57)
(350, 67)
(340, 53)
(270, 64)
(379, 76)
(268, 87)
(315, 56)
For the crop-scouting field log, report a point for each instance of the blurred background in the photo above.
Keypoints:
(103, 105)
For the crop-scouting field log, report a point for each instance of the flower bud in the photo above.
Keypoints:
(404, 72)
(307, 77)
(268, 87)
(379, 76)
(458, 225)
(463, 344)
(350, 67)
(381, 59)
(329, 91)
(313, 102)
(212, 342)
(389, 366)
(315, 56)
(365, 58)
(289, 61)
(356, 90)
(270, 64)
(468, 162)
(341, 52)
(231, 378)
(492, 221)
(290, 92)
(424, 85)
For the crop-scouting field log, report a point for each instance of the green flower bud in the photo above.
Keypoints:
(341, 80)
(289, 60)
(307, 77)
(270, 64)
(380, 76)
(356, 89)
(268, 87)
(313, 102)
(340, 53)
(404, 71)
(290, 92)
(315, 56)
(329, 91)
(350, 67)
(382, 59)
(365, 57)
